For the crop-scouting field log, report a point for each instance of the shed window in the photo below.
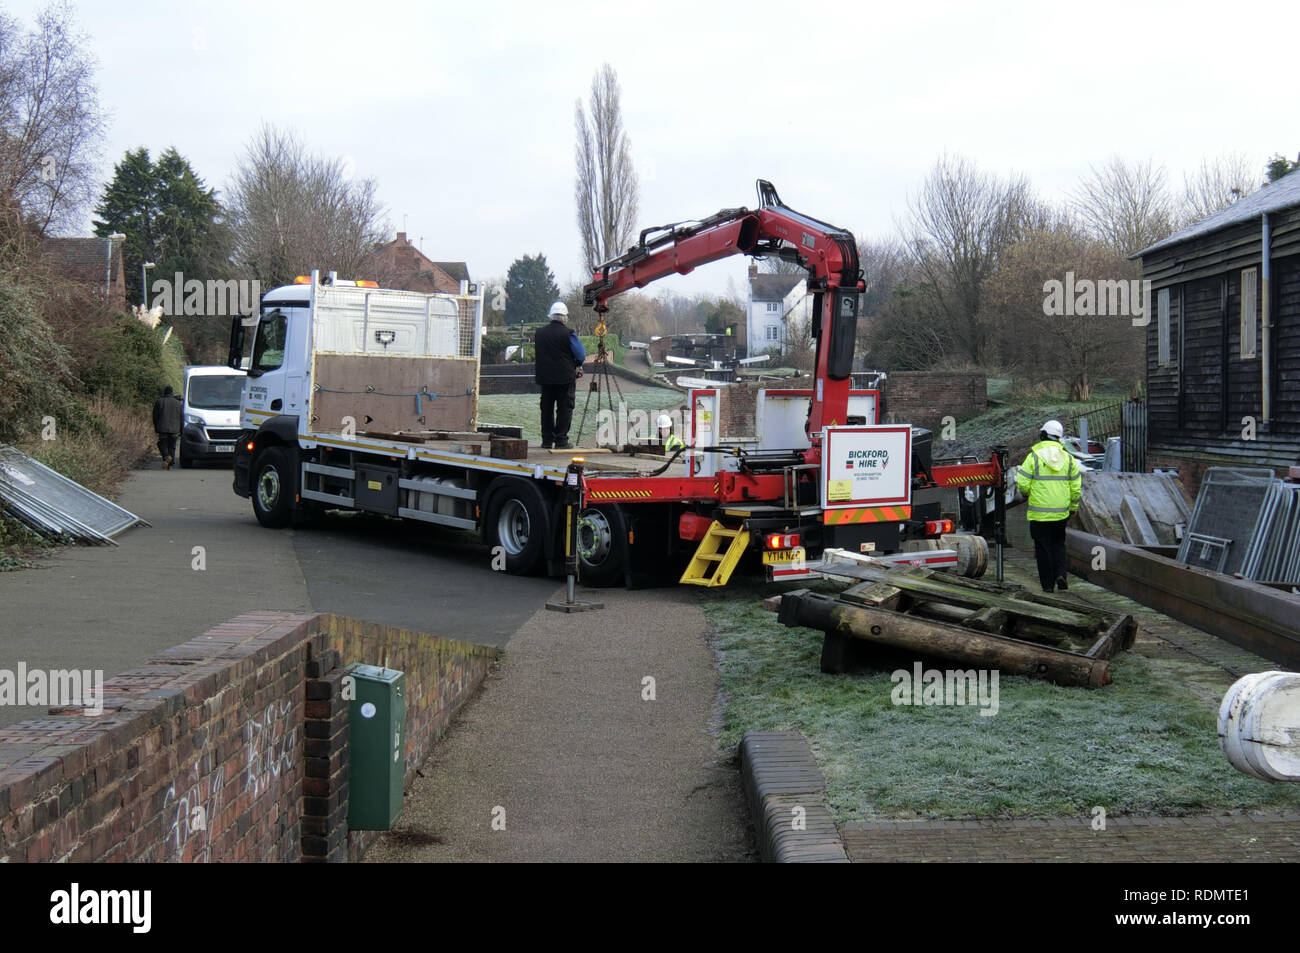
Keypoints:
(1162, 327)
(1249, 319)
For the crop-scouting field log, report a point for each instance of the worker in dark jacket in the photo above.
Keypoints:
(558, 360)
(1052, 485)
(167, 424)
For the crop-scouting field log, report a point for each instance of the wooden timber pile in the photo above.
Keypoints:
(981, 624)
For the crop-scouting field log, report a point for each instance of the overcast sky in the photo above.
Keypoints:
(463, 112)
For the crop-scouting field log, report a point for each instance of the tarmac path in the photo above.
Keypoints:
(560, 735)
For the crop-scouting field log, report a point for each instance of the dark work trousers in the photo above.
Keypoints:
(557, 412)
(1049, 550)
(167, 445)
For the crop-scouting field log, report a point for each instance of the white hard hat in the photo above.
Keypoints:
(665, 421)
(559, 310)
(1054, 429)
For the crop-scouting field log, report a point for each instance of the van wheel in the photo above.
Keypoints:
(274, 486)
(602, 546)
(518, 522)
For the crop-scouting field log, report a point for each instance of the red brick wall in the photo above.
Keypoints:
(924, 398)
(229, 747)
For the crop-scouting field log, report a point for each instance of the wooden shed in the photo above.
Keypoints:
(1223, 342)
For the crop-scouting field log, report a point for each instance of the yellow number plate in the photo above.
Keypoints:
(784, 557)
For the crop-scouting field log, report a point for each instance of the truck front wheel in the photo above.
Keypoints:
(274, 481)
(517, 522)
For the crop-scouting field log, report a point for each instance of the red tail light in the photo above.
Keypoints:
(938, 527)
(783, 541)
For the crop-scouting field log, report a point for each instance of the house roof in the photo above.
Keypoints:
(1284, 193)
(82, 259)
(456, 270)
(772, 287)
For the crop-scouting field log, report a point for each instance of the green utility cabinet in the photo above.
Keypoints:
(377, 724)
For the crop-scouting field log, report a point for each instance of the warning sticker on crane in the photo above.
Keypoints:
(866, 466)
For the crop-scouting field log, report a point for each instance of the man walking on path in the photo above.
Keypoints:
(167, 424)
(558, 360)
(1051, 482)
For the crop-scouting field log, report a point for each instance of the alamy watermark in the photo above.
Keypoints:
(616, 429)
(53, 688)
(191, 297)
(952, 687)
(1108, 297)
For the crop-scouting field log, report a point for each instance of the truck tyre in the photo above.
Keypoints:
(274, 485)
(517, 521)
(602, 546)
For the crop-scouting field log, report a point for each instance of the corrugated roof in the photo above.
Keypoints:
(772, 287)
(1284, 193)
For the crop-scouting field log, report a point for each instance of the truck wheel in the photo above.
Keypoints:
(273, 484)
(602, 546)
(517, 522)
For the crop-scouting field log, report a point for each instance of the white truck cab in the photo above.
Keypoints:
(211, 413)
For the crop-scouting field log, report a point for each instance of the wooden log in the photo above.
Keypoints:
(943, 640)
(956, 591)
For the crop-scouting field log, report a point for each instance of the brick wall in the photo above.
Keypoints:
(924, 398)
(230, 747)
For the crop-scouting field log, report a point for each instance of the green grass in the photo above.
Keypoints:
(524, 411)
(1143, 744)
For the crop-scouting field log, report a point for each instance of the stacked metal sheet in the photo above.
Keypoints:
(1274, 551)
(55, 506)
(1246, 522)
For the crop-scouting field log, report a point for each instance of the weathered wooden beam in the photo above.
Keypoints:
(1256, 617)
(955, 590)
(940, 640)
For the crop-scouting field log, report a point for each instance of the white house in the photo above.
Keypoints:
(776, 304)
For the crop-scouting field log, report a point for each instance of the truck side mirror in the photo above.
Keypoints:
(235, 355)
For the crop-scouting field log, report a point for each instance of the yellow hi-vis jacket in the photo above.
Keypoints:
(1050, 480)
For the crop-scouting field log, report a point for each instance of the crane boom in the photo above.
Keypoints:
(830, 255)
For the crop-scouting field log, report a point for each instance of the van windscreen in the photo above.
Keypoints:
(218, 392)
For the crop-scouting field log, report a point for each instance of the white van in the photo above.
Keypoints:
(211, 421)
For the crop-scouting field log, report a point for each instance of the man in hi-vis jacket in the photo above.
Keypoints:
(1052, 483)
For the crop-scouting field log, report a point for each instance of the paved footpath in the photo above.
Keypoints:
(562, 747)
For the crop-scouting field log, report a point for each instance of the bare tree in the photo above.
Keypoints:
(605, 189)
(292, 211)
(1075, 348)
(1127, 205)
(50, 123)
(957, 227)
(1216, 185)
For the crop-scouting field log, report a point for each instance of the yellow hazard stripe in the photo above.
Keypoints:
(619, 494)
(966, 479)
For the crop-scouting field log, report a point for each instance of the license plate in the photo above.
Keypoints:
(784, 557)
(225, 449)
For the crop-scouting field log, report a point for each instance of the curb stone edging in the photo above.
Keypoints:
(779, 775)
